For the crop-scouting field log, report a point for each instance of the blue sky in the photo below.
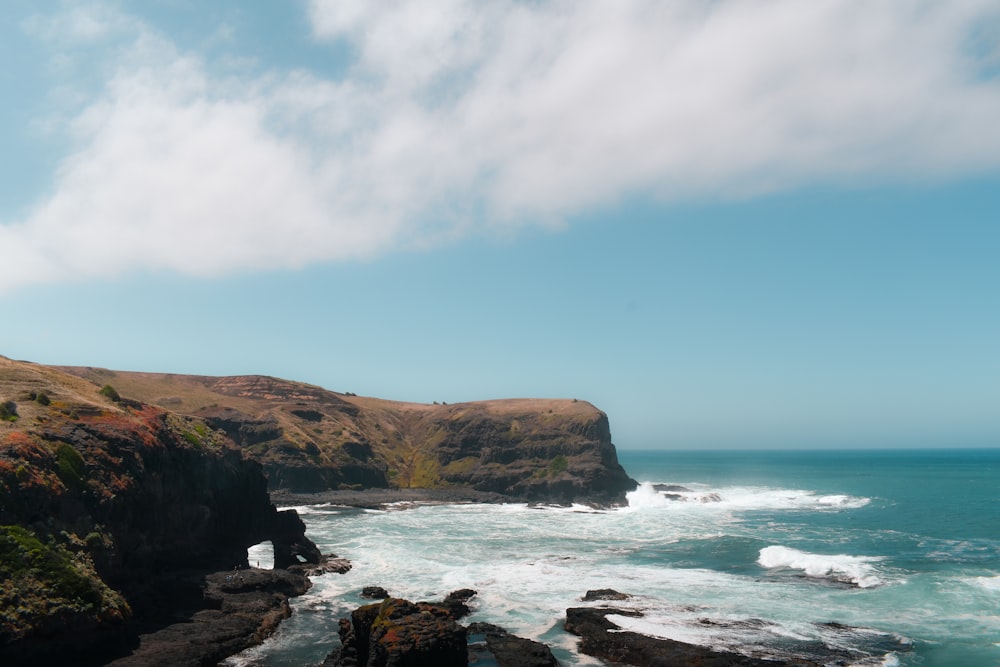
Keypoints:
(734, 224)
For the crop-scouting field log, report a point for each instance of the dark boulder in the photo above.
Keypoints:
(374, 593)
(456, 602)
(605, 594)
(488, 641)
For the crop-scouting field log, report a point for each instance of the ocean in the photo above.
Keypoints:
(887, 557)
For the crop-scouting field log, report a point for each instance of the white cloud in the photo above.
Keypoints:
(496, 114)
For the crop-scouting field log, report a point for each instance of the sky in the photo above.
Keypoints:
(728, 224)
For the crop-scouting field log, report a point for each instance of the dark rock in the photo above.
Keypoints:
(374, 593)
(291, 546)
(398, 633)
(239, 609)
(506, 649)
(671, 488)
(605, 594)
(455, 602)
(329, 564)
(601, 638)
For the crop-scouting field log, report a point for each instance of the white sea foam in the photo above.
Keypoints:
(857, 570)
(261, 555)
(991, 584)
(736, 498)
(530, 563)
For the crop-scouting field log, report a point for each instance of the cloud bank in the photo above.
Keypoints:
(486, 116)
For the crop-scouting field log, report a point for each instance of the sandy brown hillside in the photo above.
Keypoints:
(312, 439)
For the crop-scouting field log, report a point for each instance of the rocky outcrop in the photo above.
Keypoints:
(312, 440)
(238, 609)
(396, 633)
(107, 507)
(601, 638)
(771, 646)
(551, 451)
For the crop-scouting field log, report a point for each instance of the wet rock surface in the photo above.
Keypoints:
(487, 641)
(601, 638)
(396, 632)
(238, 609)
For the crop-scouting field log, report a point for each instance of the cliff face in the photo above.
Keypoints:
(533, 449)
(100, 495)
(310, 439)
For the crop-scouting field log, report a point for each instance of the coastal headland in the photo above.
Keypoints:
(128, 500)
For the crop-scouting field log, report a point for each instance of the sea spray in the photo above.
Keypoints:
(856, 570)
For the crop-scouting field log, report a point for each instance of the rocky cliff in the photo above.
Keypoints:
(101, 498)
(309, 439)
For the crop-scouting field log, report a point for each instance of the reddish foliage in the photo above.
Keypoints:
(124, 426)
(18, 439)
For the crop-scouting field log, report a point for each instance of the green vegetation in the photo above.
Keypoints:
(558, 464)
(462, 466)
(71, 467)
(192, 437)
(8, 411)
(43, 585)
(39, 397)
(425, 473)
(22, 554)
(111, 393)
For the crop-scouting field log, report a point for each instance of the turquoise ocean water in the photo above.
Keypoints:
(888, 558)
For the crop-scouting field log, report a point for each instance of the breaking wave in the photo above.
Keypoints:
(739, 498)
(854, 570)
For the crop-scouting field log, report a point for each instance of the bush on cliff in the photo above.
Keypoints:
(72, 468)
(45, 587)
(110, 393)
(8, 411)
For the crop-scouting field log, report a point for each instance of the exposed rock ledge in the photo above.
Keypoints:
(239, 609)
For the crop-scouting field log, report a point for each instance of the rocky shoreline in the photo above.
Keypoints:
(396, 632)
(387, 498)
(238, 609)
(381, 498)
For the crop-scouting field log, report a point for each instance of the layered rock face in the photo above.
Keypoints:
(546, 450)
(309, 439)
(102, 498)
